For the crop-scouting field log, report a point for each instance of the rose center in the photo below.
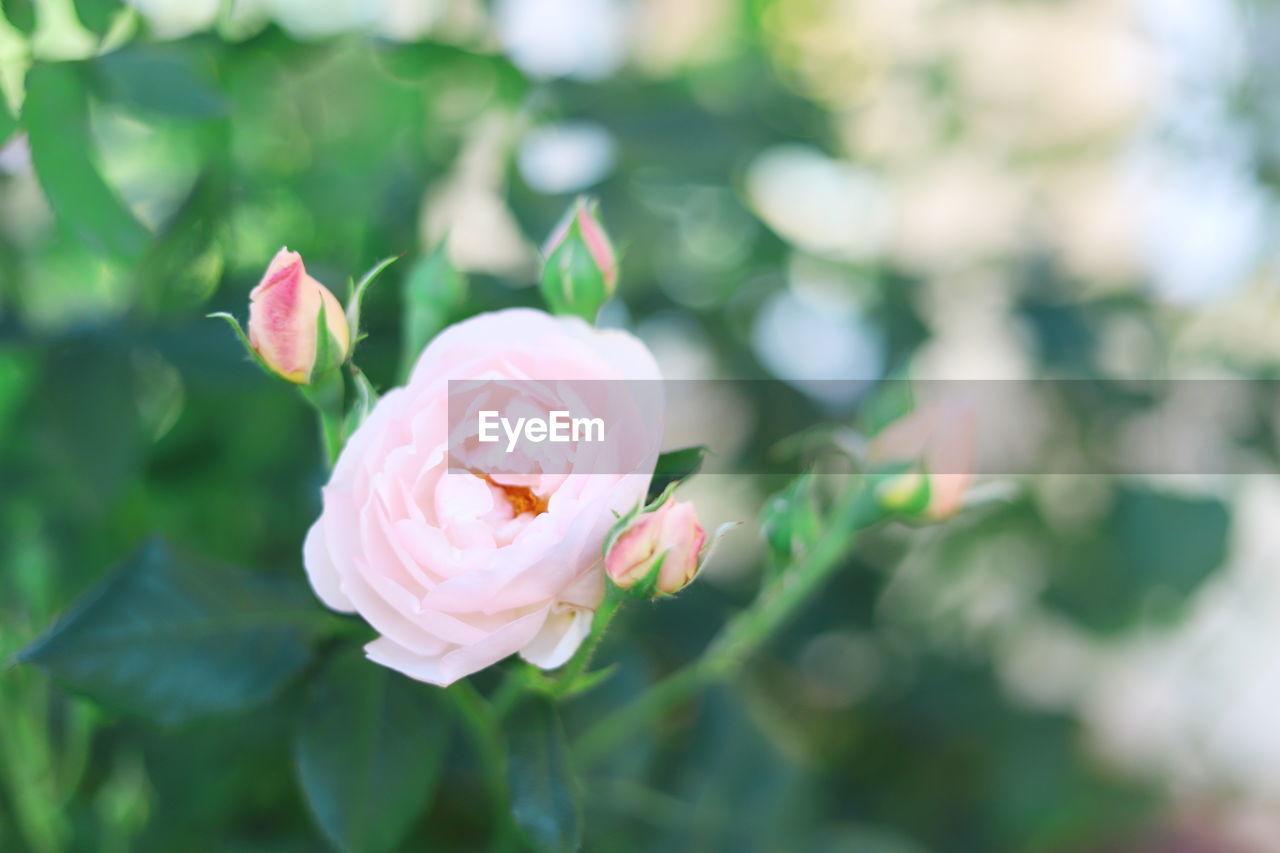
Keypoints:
(522, 498)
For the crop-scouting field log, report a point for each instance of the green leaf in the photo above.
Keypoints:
(159, 79)
(174, 641)
(1143, 563)
(20, 13)
(544, 796)
(97, 15)
(891, 400)
(56, 116)
(433, 293)
(369, 752)
(87, 415)
(674, 467)
(8, 121)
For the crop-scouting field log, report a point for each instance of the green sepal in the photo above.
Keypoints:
(362, 406)
(244, 340)
(645, 588)
(618, 527)
(325, 390)
(572, 282)
(903, 492)
(357, 296)
(709, 547)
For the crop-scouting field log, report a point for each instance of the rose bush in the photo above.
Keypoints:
(457, 569)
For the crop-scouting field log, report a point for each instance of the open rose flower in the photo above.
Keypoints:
(458, 565)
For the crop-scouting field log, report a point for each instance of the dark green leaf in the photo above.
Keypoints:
(1145, 562)
(745, 794)
(544, 796)
(160, 79)
(89, 419)
(174, 641)
(433, 292)
(56, 116)
(97, 15)
(20, 13)
(675, 466)
(369, 752)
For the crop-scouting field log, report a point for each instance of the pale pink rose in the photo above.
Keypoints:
(459, 568)
(941, 435)
(284, 310)
(670, 534)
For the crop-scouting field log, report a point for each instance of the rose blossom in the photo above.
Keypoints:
(458, 567)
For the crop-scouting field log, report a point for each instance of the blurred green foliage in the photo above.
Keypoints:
(169, 174)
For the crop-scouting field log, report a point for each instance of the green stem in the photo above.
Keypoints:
(483, 725)
(743, 635)
(331, 435)
(326, 395)
(581, 659)
(509, 691)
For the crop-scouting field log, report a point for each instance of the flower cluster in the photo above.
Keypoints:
(461, 551)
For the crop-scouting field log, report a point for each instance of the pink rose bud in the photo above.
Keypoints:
(659, 552)
(580, 271)
(284, 317)
(937, 442)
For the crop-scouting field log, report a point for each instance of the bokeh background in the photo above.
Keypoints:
(800, 190)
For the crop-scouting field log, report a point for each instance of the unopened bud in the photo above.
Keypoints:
(580, 270)
(658, 552)
(285, 321)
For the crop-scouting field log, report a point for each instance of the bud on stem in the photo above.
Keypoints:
(293, 319)
(580, 270)
(657, 551)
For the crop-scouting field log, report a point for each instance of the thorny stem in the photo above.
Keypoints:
(582, 658)
(748, 630)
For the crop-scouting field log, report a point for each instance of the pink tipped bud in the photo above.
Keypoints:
(581, 270)
(659, 553)
(284, 312)
(938, 440)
